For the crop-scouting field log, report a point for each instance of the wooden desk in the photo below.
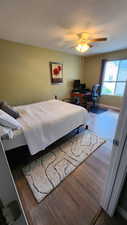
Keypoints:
(80, 96)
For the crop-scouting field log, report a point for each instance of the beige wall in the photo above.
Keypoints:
(92, 70)
(25, 76)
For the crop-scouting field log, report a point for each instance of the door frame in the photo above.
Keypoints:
(8, 191)
(118, 164)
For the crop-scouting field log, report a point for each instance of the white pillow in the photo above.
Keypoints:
(8, 121)
(6, 132)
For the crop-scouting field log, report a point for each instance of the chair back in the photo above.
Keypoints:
(96, 90)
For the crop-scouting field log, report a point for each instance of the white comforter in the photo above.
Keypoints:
(45, 122)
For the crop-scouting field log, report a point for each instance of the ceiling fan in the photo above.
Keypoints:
(83, 42)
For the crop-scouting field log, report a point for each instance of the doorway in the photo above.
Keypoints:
(77, 199)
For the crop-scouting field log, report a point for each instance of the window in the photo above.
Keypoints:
(114, 77)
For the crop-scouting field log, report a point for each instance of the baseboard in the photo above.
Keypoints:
(122, 212)
(109, 107)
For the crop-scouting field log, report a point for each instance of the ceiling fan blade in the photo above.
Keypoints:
(73, 46)
(71, 37)
(69, 41)
(98, 39)
(90, 45)
(79, 35)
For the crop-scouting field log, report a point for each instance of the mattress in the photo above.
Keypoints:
(45, 122)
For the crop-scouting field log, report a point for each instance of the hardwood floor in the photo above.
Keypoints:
(76, 200)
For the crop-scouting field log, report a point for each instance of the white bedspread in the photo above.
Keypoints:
(45, 122)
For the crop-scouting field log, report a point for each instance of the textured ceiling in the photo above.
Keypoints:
(53, 23)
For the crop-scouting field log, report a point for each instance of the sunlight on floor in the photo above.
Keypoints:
(104, 124)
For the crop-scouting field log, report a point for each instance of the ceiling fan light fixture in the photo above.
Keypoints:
(82, 47)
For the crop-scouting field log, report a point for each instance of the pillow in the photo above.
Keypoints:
(1, 103)
(6, 133)
(8, 121)
(8, 109)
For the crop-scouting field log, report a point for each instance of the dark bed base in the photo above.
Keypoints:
(21, 156)
(78, 128)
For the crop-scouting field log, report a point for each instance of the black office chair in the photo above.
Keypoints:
(93, 98)
(95, 93)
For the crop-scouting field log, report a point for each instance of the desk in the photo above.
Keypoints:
(80, 96)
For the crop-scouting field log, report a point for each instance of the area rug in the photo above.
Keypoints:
(45, 173)
(98, 110)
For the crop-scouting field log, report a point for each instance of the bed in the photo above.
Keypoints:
(45, 122)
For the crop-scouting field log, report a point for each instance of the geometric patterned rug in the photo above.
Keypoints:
(45, 173)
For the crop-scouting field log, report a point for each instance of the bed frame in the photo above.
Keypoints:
(21, 155)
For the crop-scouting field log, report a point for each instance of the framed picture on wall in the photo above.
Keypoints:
(56, 72)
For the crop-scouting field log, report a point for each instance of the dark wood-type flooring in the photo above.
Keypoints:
(76, 201)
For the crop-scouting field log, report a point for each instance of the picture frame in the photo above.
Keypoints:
(56, 72)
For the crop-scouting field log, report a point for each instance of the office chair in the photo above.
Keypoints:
(95, 93)
(94, 97)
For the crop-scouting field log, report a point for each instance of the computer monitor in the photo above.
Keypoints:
(76, 84)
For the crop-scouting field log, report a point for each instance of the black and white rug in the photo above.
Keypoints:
(45, 173)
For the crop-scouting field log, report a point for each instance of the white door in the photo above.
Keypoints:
(10, 204)
(118, 165)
